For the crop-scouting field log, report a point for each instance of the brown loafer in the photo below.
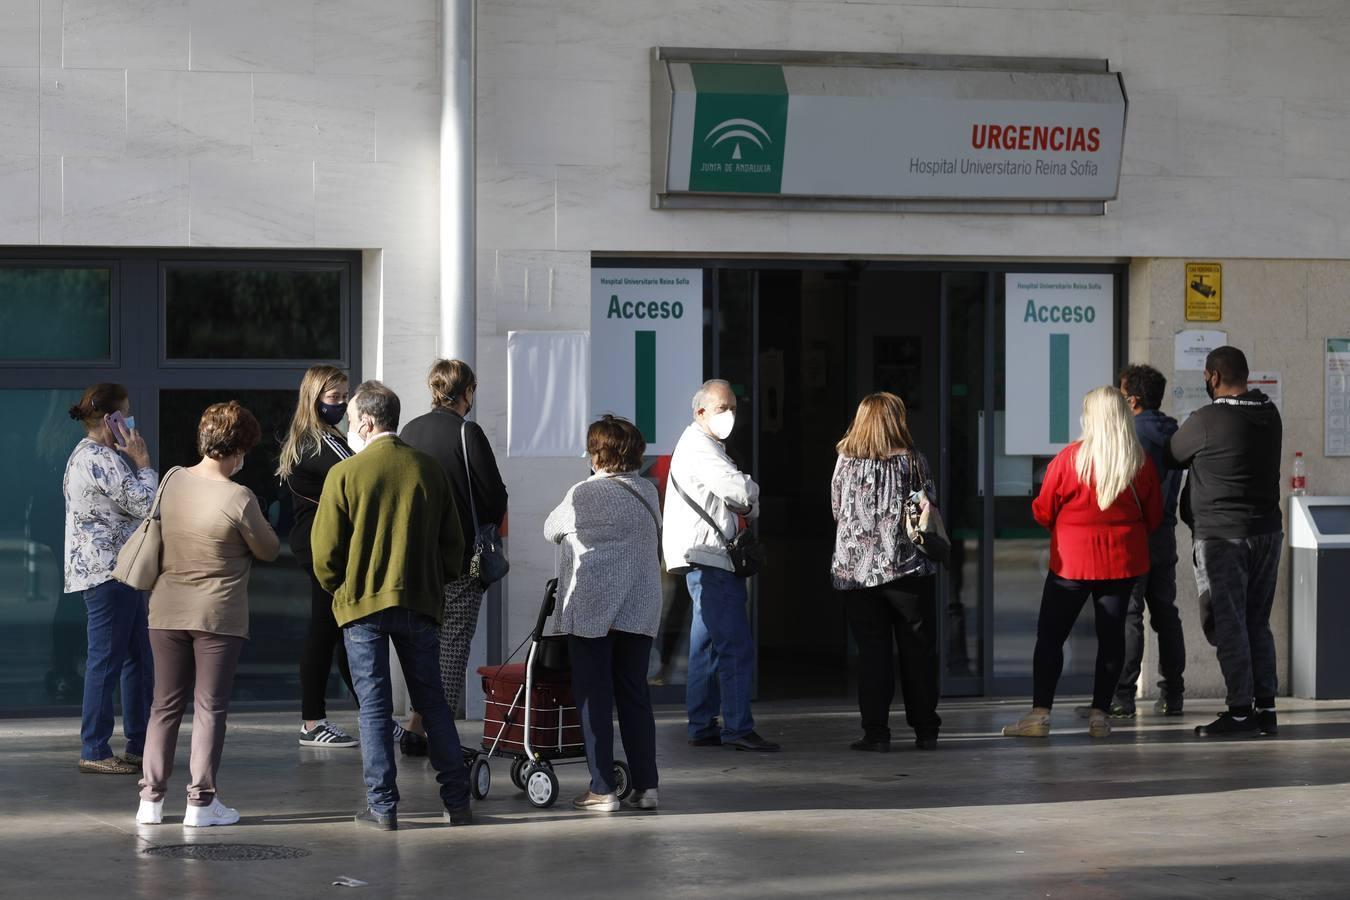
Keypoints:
(110, 766)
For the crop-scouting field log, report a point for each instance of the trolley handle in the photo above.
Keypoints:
(546, 608)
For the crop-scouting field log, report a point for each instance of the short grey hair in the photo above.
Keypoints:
(701, 395)
(373, 399)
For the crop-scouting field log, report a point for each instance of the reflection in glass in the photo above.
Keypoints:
(253, 314)
(55, 313)
(42, 629)
(279, 591)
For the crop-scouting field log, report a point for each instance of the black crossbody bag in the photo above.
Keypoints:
(744, 550)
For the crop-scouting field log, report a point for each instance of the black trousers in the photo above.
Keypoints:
(1061, 602)
(322, 641)
(1156, 591)
(899, 615)
(606, 672)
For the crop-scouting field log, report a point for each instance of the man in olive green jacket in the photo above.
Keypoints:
(386, 540)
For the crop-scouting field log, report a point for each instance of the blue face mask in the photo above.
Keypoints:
(131, 423)
(332, 413)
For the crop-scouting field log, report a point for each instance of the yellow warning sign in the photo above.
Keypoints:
(1204, 292)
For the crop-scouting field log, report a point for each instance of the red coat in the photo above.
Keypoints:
(1088, 543)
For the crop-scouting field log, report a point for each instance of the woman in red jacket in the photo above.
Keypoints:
(1100, 499)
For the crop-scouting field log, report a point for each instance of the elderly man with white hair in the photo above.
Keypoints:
(708, 499)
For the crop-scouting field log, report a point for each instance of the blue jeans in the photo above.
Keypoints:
(119, 651)
(416, 638)
(721, 655)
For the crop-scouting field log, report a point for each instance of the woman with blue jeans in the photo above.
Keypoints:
(109, 487)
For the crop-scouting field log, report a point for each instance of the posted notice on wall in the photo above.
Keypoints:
(546, 393)
(1060, 331)
(647, 349)
(1193, 345)
(1270, 384)
(1337, 426)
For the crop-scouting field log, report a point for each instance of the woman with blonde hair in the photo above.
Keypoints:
(888, 584)
(314, 445)
(1100, 499)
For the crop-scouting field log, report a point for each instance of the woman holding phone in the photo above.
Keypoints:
(109, 488)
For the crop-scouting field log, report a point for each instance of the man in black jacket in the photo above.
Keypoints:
(1232, 504)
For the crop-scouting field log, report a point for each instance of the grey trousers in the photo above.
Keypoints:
(1235, 579)
(201, 665)
(463, 597)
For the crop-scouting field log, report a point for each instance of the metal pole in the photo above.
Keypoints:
(459, 308)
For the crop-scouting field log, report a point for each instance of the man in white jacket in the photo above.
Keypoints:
(721, 646)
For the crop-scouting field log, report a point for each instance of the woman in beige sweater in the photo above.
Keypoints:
(213, 529)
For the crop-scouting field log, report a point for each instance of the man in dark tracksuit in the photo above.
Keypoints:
(1232, 504)
(1144, 388)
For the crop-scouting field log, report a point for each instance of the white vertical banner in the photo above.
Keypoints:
(647, 349)
(546, 374)
(1059, 342)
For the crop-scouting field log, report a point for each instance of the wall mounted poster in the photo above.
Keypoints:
(1337, 424)
(1060, 334)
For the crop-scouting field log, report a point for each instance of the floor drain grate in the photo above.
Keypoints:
(226, 852)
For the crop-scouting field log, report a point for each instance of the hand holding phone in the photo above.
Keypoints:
(126, 439)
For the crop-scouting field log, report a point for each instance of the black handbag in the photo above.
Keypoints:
(744, 550)
(488, 563)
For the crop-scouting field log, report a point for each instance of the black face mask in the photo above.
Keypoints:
(332, 413)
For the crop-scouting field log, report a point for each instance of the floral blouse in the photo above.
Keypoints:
(870, 546)
(105, 501)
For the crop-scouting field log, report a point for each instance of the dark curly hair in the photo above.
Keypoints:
(615, 444)
(1144, 383)
(227, 429)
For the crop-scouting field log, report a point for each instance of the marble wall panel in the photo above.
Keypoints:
(1317, 138)
(124, 202)
(252, 204)
(117, 34)
(1289, 57)
(20, 23)
(83, 112)
(1152, 135)
(523, 39)
(517, 206)
(194, 115)
(393, 37)
(19, 112)
(1231, 135)
(526, 122)
(20, 213)
(305, 117)
(50, 33)
(381, 205)
(253, 35)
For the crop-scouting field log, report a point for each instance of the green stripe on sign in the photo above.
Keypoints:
(1059, 388)
(644, 383)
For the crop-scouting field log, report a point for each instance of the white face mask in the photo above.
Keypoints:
(355, 441)
(721, 424)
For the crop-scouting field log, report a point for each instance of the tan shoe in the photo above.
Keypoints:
(1098, 726)
(1033, 724)
(110, 766)
(133, 759)
(590, 802)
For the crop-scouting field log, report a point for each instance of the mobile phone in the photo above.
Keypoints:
(117, 424)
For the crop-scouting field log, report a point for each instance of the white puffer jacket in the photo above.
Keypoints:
(702, 468)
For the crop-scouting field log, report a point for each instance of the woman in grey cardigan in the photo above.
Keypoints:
(609, 586)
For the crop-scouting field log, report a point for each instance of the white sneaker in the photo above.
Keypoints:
(641, 799)
(215, 814)
(150, 813)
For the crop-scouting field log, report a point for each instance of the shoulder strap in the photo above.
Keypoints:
(703, 513)
(1136, 499)
(634, 491)
(468, 474)
(159, 492)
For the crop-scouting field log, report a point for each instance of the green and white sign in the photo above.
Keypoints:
(1059, 334)
(647, 349)
(887, 133)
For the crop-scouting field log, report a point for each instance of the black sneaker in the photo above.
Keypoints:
(870, 746)
(326, 734)
(927, 742)
(1226, 724)
(752, 743)
(369, 818)
(1121, 710)
(410, 743)
(1266, 722)
(1167, 706)
(712, 740)
(461, 816)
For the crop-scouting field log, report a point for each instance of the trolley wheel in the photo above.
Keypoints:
(518, 773)
(541, 786)
(623, 779)
(480, 778)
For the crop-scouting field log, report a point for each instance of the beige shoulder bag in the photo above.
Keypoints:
(141, 558)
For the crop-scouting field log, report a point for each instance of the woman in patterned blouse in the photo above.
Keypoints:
(109, 488)
(888, 585)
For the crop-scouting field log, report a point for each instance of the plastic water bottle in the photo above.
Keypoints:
(1298, 484)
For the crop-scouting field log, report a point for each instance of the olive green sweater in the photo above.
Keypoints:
(387, 533)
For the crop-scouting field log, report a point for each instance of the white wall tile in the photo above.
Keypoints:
(50, 170)
(19, 28)
(517, 206)
(18, 112)
(1152, 135)
(194, 115)
(305, 117)
(1317, 138)
(83, 112)
(376, 205)
(252, 35)
(1230, 135)
(20, 213)
(124, 202)
(392, 37)
(50, 32)
(251, 204)
(524, 122)
(522, 37)
(113, 34)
